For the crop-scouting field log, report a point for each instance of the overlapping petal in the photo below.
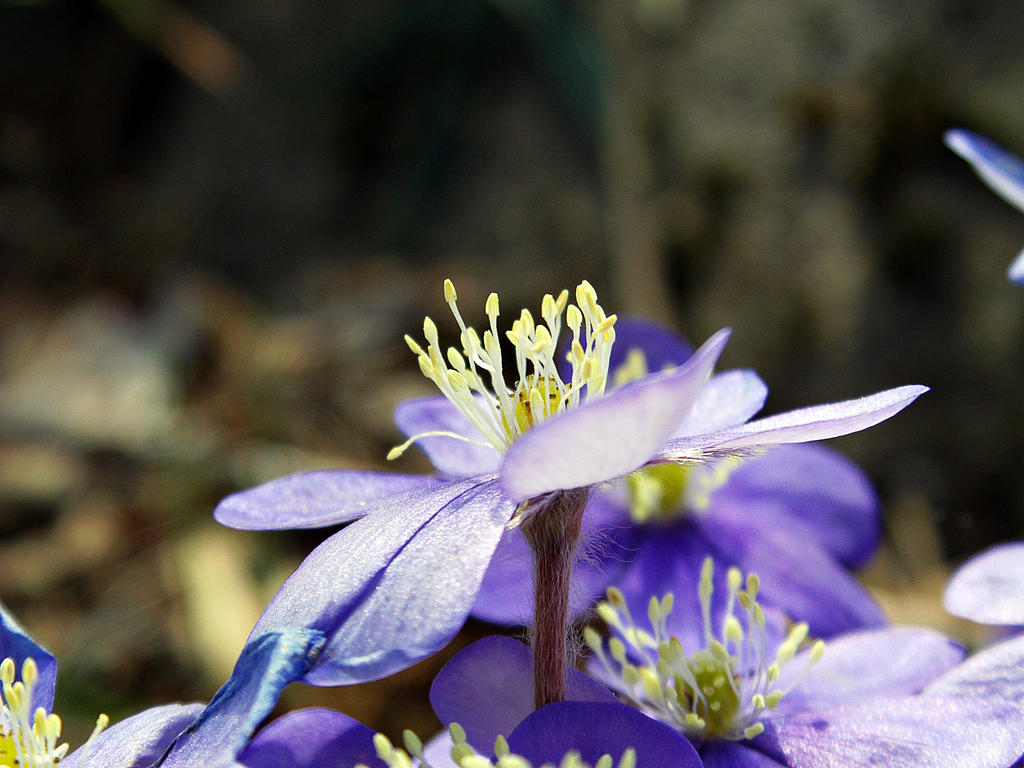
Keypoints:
(810, 491)
(396, 585)
(995, 672)
(269, 662)
(136, 741)
(726, 400)
(609, 437)
(901, 732)
(487, 689)
(989, 588)
(316, 499)
(817, 422)
(311, 738)
(867, 664)
(595, 729)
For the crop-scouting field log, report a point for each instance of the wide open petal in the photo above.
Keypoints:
(1003, 171)
(797, 576)
(315, 499)
(818, 422)
(727, 399)
(593, 730)
(900, 732)
(268, 663)
(989, 588)
(810, 491)
(311, 738)
(17, 644)
(450, 455)
(487, 688)
(867, 664)
(394, 587)
(996, 672)
(136, 741)
(609, 437)
(607, 542)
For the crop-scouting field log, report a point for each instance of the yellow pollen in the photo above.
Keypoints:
(29, 736)
(465, 756)
(472, 375)
(717, 692)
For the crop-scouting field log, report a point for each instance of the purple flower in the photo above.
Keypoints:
(896, 697)
(989, 588)
(1001, 170)
(171, 736)
(397, 584)
(800, 514)
(323, 738)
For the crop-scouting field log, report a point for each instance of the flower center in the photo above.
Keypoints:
(717, 692)
(29, 737)
(472, 376)
(661, 493)
(464, 756)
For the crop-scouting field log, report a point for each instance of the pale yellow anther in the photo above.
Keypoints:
(786, 652)
(759, 620)
(615, 597)
(617, 650)
(745, 600)
(651, 684)
(798, 634)
(383, 747)
(475, 761)
(605, 761)
(29, 672)
(773, 699)
(817, 651)
(547, 306)
(734, 579)
(573, 318)
(719, 652)
(413, 744)
(457, 361)
(456, 380)
(501, 746)
(733, 630)
(561, 301)
(458, 733)
(758, 701)
(430, 331)
(607, 614)
(491, 306)
(653, 610)
(753, 730)
(630, 675)
(592, 638)
(596, 381)
(667, 603)
(449, 291)
(773, 672)
(694, 721)
(753, 585)
(606, 324)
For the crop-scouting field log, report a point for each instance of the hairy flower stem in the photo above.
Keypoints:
(553, 532)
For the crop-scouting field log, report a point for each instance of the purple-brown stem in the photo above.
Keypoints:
(553, 531)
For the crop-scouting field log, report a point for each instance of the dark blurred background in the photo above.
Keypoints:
(218, 219)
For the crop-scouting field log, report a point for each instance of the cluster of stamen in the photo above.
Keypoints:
(29, 738)
(464, 756)
(473, 378)
(668, 491)
(719, 691)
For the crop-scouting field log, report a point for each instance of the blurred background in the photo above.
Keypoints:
(218, 219)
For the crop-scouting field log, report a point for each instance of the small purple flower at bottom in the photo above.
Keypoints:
(989, 588)
(897, 697)
(170, 736)
(1003, 172)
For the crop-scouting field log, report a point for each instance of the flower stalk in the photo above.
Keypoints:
(553, 532)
